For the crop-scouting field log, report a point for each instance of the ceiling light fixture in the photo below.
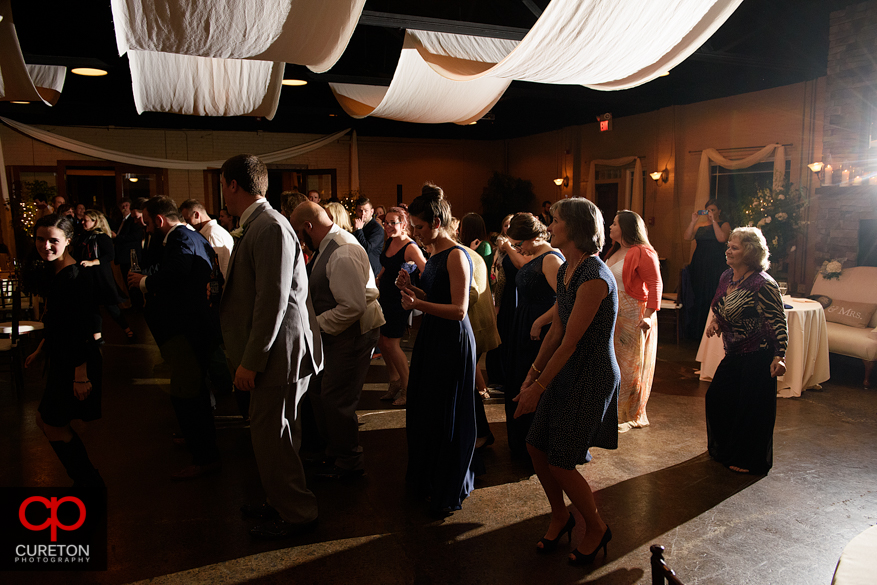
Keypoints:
(294, 82)
(664, 74)
(88, 71)
(133, 179)
(19, 102)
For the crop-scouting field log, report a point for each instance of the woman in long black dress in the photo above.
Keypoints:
(399, 249)
(440, 421)
(95, 252)
(741, 403)
(73, 387)
(536, 284)
(573, 383)
(711, 232)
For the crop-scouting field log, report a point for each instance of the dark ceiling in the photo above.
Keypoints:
(764, 44)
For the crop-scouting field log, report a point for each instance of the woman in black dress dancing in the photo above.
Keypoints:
(73, 387)
(440, 421)
(95, 251)
(399, 249)
(573, 383)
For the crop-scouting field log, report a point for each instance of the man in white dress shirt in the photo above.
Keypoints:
(345, 298)
(220, 240)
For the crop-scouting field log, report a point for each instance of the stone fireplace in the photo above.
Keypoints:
(849, 131)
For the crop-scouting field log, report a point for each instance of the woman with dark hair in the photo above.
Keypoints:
(227, 220)
(473, 233)
(95, 250)
(711, 232)
(741, 402)
(399, 250)
(634, 264)
(73, 385)
(536, 284)
(573, 382)
(441, 403)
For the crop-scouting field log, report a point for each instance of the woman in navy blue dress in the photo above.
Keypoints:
(536, 283)
(440, 421)
(573, 383)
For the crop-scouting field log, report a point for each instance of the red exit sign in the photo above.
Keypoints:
(605, 121)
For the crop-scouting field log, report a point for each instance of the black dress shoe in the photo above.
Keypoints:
(280, 528)
(336, 473)
(263, 511)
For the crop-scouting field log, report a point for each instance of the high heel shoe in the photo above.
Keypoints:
(392, 390)
(583, 559)
(548, 544)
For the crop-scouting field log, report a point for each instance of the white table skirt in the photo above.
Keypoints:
(806, 355)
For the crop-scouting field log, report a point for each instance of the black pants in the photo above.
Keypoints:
(190, 396)
(741, 410)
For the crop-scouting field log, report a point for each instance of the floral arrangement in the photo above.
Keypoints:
(777, 213)
(831, 269)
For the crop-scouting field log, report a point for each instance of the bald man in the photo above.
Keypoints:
(345, 299)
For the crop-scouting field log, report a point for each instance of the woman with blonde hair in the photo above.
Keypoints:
(399, 250)
(339, 216)
(634, 264)
(95, 251)
(741, 402)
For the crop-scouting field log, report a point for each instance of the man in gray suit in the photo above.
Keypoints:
(273, 344)
(345, 299)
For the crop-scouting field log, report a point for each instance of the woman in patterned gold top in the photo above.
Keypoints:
(748, 314)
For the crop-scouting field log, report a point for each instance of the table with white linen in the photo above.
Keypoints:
(806, 354)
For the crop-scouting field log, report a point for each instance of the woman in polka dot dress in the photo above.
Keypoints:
(573, 384)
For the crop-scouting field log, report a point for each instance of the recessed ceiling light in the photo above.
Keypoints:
(294, 82)
(19, 102)
(665, 74)
(88, 71)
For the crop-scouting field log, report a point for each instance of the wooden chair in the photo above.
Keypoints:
(9, 347)
(671, 304)
(661, 573)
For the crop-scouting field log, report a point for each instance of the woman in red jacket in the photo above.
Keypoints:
(634, 263)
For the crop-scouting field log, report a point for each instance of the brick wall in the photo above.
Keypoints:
(837, 222)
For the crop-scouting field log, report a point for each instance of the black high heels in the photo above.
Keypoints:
(583, 559)
(548, 544)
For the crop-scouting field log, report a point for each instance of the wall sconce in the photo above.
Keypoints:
(817, 168)
(663, 176)
(564, 181)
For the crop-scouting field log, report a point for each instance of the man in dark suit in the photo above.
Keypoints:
(369, 232)
(186, 332)
(128, 237)
(273, 344)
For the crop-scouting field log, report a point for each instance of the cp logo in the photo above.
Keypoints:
(51, 505)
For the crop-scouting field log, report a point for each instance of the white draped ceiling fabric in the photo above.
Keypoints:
(418, 94)
(228, 55)
(636, 191)
(164, 163)
(702, 194)
(18, 80)
(601, 44)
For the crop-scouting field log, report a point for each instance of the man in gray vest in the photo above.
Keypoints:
(345, 300)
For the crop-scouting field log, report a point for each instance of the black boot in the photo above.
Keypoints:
(75, 460)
